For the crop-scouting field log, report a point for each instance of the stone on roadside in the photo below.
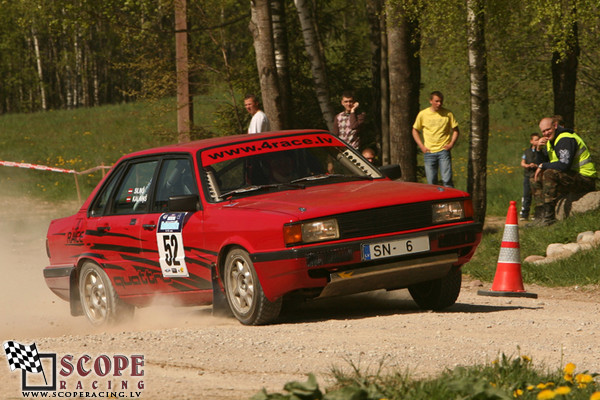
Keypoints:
(584, 237)
(533, 259)
(575, 203)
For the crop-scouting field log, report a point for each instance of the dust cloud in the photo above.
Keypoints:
(30, 310)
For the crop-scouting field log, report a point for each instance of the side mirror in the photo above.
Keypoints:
(391, 171)
(184, 203)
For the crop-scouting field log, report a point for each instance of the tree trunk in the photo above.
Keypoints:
(281, 61)
(95, 83)
(316, 59)
(564, 76)
(38, 58)
(405, 79)
(477, 173)
(184, 104)
(374, 11)
(385, 96)
(77, 72)
(262, 32)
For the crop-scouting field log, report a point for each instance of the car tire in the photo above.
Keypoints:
(244, 292)
(437, 294)
(100, 303)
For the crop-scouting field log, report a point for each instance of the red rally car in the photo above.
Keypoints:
(242, 221)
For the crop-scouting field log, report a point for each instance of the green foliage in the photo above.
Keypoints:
(127, 46)
(308, 390)
(504, 379)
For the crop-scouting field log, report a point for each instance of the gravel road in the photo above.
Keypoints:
(188, 354)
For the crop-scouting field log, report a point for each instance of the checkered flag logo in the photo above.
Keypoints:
(23, 357)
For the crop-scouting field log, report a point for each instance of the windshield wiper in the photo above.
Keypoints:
(327, 176)
(253, 188)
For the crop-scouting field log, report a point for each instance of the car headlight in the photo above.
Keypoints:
(310, 232)
(447, 212)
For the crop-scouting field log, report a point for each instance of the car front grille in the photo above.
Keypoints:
(384, 220)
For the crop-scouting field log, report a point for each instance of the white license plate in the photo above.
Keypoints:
(394, 248)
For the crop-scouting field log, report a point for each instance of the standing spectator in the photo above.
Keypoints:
(259, 122)
(347, 124)
(440, 133)
(528, 162)
(568, 167)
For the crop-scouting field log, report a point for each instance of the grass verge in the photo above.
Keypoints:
(506, 378)
(583, 268)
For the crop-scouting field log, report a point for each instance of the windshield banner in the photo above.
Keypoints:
(213, 156)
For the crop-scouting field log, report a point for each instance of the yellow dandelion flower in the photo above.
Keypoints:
(544, 385)
(584, 378)
(569, 369)
(517, 393)
(595, 396)
(563, 390)
(530, 387)
(526, 358)
(568, 377)
(546, 394)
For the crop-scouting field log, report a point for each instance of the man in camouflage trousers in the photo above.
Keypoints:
(566, 167)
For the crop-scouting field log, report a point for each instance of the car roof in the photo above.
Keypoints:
(192, 147)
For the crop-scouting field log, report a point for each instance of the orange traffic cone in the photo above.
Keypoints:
(508, 281)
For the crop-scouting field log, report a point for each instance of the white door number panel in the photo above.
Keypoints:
(170, 245)
(395, 248)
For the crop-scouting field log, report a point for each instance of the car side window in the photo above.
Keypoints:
(101, 201)
(176, 178)
(133, 193)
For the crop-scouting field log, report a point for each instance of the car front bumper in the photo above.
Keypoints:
(340, 268)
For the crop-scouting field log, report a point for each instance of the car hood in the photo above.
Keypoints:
(323, 200)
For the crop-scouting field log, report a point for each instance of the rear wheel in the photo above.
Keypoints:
(244, 292)
(100, 303)
(437, 294)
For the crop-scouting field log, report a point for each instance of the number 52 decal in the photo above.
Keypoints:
(169, 239)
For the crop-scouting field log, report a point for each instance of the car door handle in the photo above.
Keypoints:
(105, 228)
(149, 227)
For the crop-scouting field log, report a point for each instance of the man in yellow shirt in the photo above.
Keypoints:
(440, 133)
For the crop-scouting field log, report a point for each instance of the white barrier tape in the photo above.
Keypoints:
(38, 167)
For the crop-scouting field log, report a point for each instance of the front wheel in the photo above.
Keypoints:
(100, 303)
(437, 294)
(244, 292)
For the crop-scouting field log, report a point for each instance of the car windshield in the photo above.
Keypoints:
(245, 173)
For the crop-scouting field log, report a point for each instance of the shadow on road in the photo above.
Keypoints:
(480, 308)
(372, 304)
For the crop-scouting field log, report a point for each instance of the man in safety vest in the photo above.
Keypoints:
(568, 167)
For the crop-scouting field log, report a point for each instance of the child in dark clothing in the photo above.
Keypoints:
(528, 162)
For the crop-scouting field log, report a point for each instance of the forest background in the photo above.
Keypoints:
(504, 63)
